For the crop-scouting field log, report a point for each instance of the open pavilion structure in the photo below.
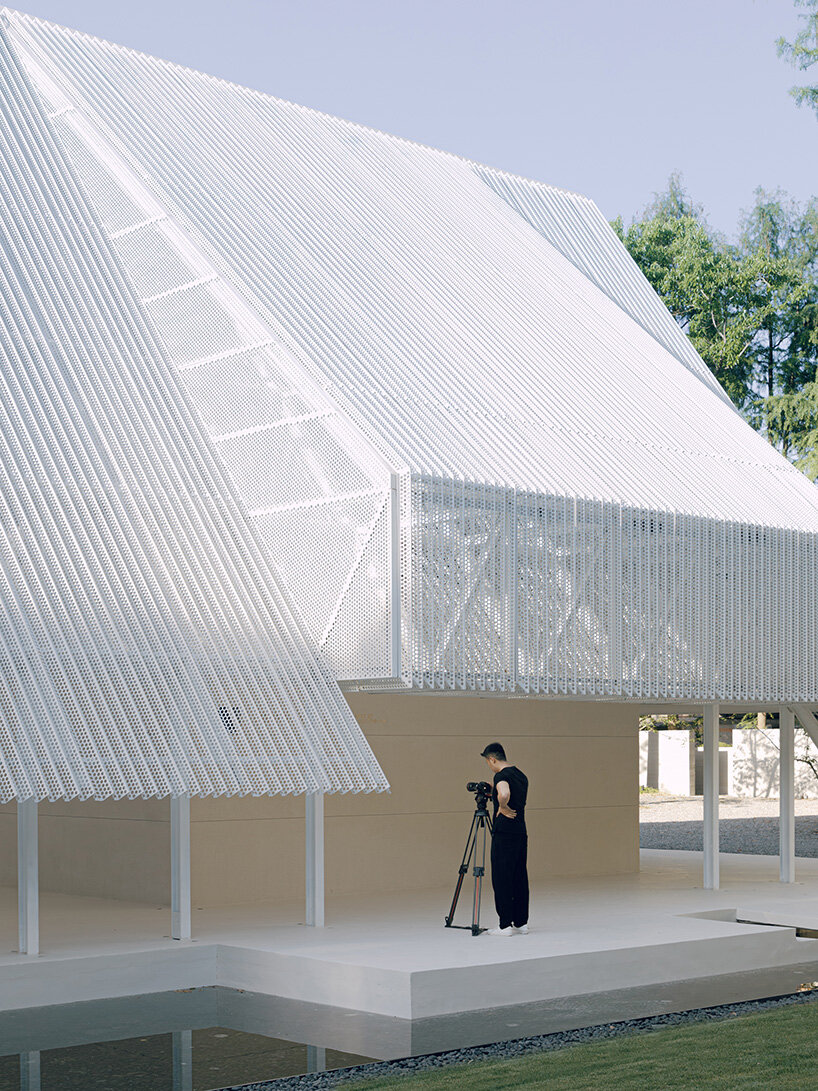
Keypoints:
(147, 650)
(289, 403)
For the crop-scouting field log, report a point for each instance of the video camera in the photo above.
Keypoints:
(482, 792)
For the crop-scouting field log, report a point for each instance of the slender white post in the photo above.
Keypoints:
(30, 1072)
(182, 1060)
(513, 605)
(180, 867)
(316, 1059)
(710, 793)
(28, 877)
(394, 552)
(786, 796)
(315, 859)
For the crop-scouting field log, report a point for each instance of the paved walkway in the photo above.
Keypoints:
(745, 825)
(601, 949)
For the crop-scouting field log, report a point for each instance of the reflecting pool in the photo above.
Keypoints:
(182, 1041)
(213, 1038)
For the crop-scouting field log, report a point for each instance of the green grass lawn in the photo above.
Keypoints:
(770, 1050)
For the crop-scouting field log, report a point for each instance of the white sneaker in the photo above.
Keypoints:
(500, 931)
(522, 930)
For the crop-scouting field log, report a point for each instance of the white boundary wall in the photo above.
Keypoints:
(668, 760)
(755, 760)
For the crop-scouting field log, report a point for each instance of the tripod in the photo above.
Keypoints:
(480, 822)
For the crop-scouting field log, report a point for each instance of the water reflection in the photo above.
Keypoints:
(203, 1039)
(82, 1047)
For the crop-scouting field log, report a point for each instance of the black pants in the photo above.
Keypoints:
(509, 877)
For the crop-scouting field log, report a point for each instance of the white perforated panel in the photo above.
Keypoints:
(296, 463)
(561, 596)
(144, 647)
(575, 226)
(520, 352)
(454, 382)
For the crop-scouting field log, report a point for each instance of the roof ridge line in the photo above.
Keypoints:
(25, 16)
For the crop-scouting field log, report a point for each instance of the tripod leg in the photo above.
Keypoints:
(479, 872)
(471, 841)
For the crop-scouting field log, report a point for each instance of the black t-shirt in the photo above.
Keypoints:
(518, 789)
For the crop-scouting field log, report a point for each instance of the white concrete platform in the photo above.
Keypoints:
(392, 956)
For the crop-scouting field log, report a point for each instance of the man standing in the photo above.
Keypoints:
(509, 843)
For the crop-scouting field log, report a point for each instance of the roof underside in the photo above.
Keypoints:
(469, 324)
(144, 647)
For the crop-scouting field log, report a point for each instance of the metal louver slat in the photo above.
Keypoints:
(144, 647)
(455, 379)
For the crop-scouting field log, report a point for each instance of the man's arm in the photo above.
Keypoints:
(503, 796)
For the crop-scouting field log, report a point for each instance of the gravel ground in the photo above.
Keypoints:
(745, 825)
(319, 1081)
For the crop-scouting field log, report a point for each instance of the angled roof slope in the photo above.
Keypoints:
(144, 647)
(576, 227)
(437, 303)
(463, 427)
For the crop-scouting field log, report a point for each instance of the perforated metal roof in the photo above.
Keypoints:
(469, 435)
(145, 649)
(471, 324)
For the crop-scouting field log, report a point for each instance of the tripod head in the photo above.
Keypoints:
(482, 793)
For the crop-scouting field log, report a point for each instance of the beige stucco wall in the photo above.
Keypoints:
(581, 759)
(108, 850)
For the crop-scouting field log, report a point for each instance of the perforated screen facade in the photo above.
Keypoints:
(145, 649)
(469, 436)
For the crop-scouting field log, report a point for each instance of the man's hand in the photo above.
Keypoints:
(503, 796)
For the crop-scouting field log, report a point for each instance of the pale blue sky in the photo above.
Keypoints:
(605, 98)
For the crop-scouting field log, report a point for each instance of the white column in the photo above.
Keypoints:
(315, 859)
(513, 605)
(28, 877)
(786, 796)
(30, 1072)
(710, 793)
(395, 584)
(316, 1059)
(180, 867)
(182, 1060)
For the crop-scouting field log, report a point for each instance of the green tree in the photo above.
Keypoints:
(706, 287)
(802, 52)
(796, 415)
(750, 309)
(779, 239)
